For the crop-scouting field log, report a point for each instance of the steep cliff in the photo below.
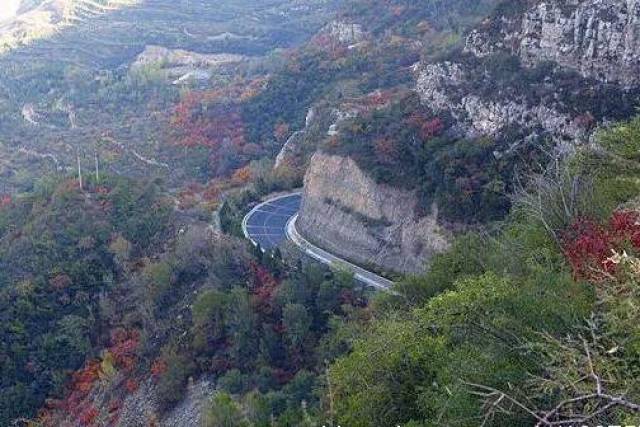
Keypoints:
(550, 68)
(534, 73)
(452, 88)
(344, 32)
(347, 213)
(597, 38)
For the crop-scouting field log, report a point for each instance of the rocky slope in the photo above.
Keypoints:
(183, 66)
(347, 213)
(444, 88)
(574, 56)
(533, 71)
(143, 406)
(597, 38)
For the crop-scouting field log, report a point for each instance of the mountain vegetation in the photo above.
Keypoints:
(134, 137)
(61, 251)
(528, 326)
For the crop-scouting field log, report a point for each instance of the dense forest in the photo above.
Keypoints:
(62, 251)
(130, 296)
(75, 262)
(502, 322)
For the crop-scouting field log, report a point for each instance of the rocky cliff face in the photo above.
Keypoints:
(536, 70)
(347, 213)
(598, 38)
(143, 408)
(344, 32)
(444, 87)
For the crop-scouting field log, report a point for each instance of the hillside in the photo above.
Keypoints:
(527, 81)
(68, 88)
(482, 155)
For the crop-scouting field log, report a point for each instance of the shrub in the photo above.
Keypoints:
(234, 382)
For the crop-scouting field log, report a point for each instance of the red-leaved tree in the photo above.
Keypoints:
(589, 246)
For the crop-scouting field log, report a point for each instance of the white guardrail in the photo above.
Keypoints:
(325, 257)
(292, 234)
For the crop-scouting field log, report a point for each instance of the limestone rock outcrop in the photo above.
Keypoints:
(345, 32)
(347, 213)
(442, 87)
(598, 38)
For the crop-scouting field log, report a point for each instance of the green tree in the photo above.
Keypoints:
(241, 324)
(297, 322)
(171, 383)
(224, 412)
(209, 319)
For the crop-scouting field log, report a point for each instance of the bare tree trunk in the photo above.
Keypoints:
(79, 170)
(97, 167)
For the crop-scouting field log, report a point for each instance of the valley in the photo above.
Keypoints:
(253, 213)
(98, 99)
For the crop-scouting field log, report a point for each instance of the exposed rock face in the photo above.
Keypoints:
(291, 149)
(598, 38)
(143, 406)
(29, 114)
(193, 77)
(440, 87)
(340, 116)
(346, 212)
(345, 32)
(186, 66)
(179, 57)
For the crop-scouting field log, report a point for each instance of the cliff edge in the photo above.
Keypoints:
(347, 213)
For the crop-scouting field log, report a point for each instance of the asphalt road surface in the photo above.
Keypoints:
(274, 221)
(266, 224)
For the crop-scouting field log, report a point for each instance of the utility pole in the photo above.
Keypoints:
(79, 169)
(97, 167)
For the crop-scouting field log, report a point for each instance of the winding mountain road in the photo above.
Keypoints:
(273, 222)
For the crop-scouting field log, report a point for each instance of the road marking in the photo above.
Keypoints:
(257, 208)
(263, 227)
(325, 257)
(276, 214)
(289, 232)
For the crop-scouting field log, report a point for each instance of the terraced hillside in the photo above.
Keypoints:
(25, 21)
(66, 90)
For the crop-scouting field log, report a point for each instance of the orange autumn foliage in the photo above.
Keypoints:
(158, 368)
(77, 403)
(241, 176)
(124, 347)
(209, 118)
(264, 286)
(5, 200)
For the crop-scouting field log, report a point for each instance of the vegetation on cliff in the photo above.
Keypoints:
(61, 250)
(122, 293)
(530, 325)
